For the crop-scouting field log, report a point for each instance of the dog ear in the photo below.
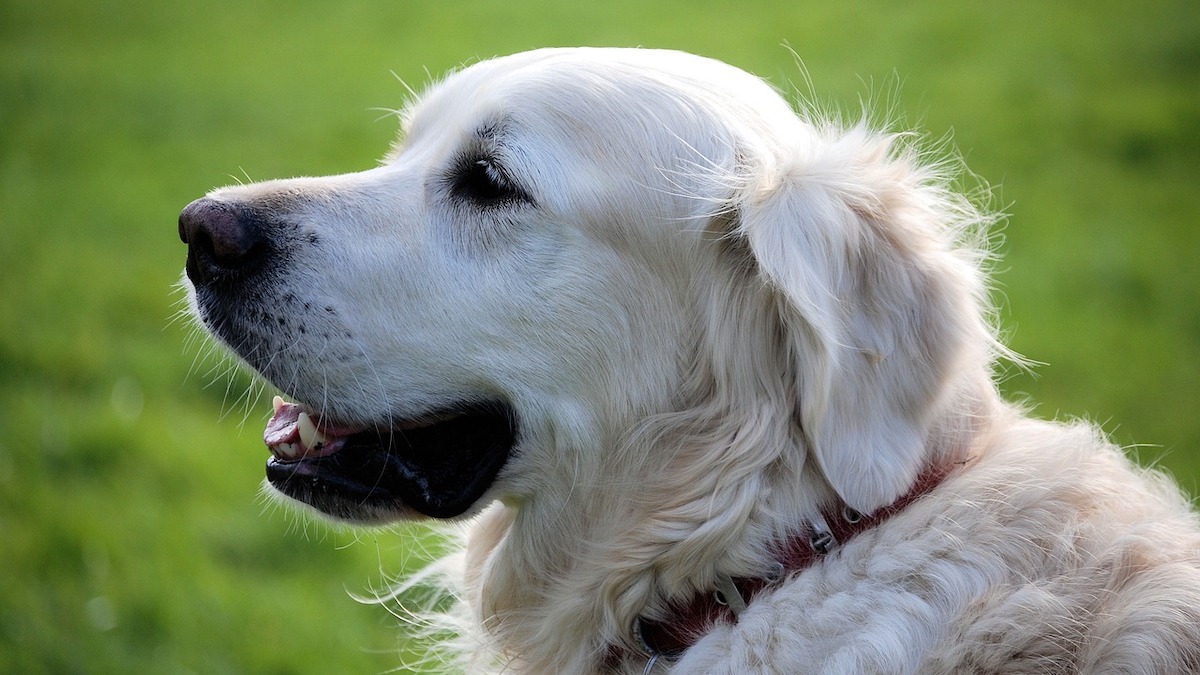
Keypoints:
(873, 302)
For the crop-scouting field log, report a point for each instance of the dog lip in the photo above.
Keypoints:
(438, 464)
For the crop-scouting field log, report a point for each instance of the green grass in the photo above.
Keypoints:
(132, 537)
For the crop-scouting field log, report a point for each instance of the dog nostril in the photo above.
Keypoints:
(222, 238)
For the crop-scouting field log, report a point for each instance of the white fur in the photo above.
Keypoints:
(716, 316)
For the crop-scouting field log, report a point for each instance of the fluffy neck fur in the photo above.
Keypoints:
(553, 592)
(687, 495)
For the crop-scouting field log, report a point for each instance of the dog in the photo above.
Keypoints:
(711, 380)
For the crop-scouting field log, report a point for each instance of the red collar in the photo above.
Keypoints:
(689, 621)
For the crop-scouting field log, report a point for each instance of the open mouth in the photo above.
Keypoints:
(439, 464)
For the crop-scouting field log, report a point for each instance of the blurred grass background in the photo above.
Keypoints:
(132, 538)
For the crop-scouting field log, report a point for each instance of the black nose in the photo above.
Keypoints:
(224, 240)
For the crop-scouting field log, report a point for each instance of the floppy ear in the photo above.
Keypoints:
(873, 302)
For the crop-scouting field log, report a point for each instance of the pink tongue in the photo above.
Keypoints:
(282, 428)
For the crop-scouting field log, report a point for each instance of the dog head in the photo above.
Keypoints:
(566, 243)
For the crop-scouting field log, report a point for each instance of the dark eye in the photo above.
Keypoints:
(485, 184)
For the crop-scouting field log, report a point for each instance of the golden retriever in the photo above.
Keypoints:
(711, 380)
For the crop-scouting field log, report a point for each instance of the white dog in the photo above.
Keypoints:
(722, 373)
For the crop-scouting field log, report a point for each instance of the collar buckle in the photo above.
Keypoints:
(821, 538)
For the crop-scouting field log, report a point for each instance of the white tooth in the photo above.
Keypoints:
(278, 403)
(288, 450)
(309, 436)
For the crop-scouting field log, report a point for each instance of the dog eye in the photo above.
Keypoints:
(482, 182)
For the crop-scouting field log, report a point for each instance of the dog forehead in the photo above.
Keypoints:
(573, 89)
